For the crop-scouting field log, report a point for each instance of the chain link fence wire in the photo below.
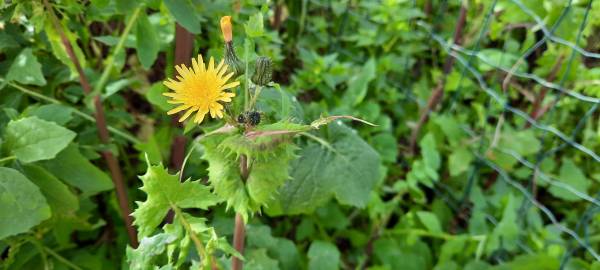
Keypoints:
(553, 139)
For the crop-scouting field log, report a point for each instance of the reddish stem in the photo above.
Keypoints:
(109, 158)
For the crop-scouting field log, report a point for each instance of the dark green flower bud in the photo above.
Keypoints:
(232, 61)
(262, 71)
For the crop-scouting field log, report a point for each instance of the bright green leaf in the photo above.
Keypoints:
(147, 42)
(359, 83)
(165, 191)
(255, 26)
(323, 256)
(459, 161)
(430, 221)
(26, 69)
(22, 205)
(571, 175)
(32, 139)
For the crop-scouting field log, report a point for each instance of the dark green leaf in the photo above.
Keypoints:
(72, 167)
(185, 14)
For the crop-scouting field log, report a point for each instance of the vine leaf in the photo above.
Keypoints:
(22, 205)
(165, 191)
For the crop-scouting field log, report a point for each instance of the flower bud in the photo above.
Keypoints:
(226, 28)
(232, 61)
(262, 71)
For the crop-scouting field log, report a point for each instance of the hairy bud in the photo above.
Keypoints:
(232, 61)
(262, 71)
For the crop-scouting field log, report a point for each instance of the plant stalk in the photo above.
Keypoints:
(239, 233)
(109, 158)
(438, 92)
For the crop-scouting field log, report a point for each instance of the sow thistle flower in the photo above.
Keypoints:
(200, 89)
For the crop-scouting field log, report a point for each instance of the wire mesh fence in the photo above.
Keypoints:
(552, 137)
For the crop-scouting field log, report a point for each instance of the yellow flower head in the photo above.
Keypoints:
(200, 89)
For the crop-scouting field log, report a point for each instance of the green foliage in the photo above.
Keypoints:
(344, 168)
(23, 205)
(164, 192)
(32, 139)
(482, 189)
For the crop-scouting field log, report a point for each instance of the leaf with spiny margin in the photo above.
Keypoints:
(164, 191)
(348, 168)
(143, 256)
(268, 157)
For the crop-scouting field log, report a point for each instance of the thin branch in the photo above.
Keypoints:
(83, 115)
(61, 259)
(438, 92)
(239, 233)
(110, 159)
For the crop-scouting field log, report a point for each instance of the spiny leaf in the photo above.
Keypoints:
(164, 191)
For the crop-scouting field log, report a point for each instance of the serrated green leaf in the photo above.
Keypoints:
(147, 43)
(347, 169)
(26, 69)
(164, 191)
(185, 14)
(268, 157)
(255, 26)
(143, 256)
(32, 139)
(323, 256)
(22, 205)
(58, 195)
(73, 168)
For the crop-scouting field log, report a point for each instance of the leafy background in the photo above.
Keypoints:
(489, 182)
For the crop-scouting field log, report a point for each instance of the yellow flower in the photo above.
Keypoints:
(200, 89)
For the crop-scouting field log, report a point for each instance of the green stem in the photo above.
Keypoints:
(111, 59)
(83, 115)
(2, 160)
(441, 235)
(186, 225)
(61, 259)
(246, 76)
(255, 96)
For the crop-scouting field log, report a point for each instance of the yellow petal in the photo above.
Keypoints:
(218, 70)
(211, 64)
(230, 85)
(199, 117)
(178, 109)
(187, 114)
